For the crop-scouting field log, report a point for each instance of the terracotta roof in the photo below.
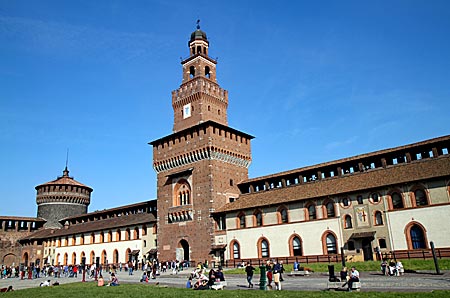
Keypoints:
(353, 158)
(111, 210)
(64, 180)
(376, 178)
(92, 226)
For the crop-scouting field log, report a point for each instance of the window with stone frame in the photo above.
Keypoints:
(331, 244)
(283, 215)
(297, 246)
(397, 201)
(378, 218)
(348, 222)
(375, 198)
(258, 218)
(182, 193)
(264, 249)
(241, 220)
(236, 250)
(420, 197)
(311, 211)
(330, 209)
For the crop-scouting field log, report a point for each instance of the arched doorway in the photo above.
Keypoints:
(182, 251)
(25, 259)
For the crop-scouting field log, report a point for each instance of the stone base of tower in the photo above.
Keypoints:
(185, 242)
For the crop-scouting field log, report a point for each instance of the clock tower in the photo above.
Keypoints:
(200, 164)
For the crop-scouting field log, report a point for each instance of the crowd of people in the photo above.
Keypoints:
(200, 280)
(392, 268)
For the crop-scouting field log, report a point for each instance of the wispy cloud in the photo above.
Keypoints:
(56, 38)
(343, 143)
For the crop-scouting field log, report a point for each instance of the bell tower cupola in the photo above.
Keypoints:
(199, 98)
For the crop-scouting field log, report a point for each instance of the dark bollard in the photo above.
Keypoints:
(263, 278)
(342, 257)
(436, 264)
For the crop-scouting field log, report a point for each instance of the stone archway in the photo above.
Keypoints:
(9, 259)
(182, 251)
(25, 259)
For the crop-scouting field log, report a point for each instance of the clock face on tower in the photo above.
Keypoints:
(187, 111)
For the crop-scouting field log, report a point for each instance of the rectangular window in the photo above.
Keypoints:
(351, 245)
(382, 243)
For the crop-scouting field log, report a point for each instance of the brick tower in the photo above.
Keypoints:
(61, 198)
(199, 165)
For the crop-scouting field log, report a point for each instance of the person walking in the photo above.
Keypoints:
(249, 270)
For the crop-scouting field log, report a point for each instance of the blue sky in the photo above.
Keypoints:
(313, 81)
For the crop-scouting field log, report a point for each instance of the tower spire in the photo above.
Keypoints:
(66, 171)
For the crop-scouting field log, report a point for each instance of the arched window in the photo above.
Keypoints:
(258, 218)
(397, 201)
(116, 256)
(283, 215)
(66, 257)
(345, 202)
(102, 237)
(375, 198)
(330, 210)
(241, 220)
(264, 248)
(127, 234)
(92, 238)
(236, 250)
(92, 257)
(331, 244)
(82, 239)
(296, 244)
(378, 218)
(311, 211)
(109, 236)
(191, 72)
(74, 258)
(348, 222)
(118, 235)
(82, 255)
(182, 193)
(128, 255)
(417, 237)
(421, 197)
(136, 233)
(104, 259)
(144, 230)
(74, 241)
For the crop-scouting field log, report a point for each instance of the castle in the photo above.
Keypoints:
(207, 209)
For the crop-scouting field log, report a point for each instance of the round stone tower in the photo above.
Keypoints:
(61, 198)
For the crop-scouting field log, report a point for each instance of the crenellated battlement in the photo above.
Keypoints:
(183, 95)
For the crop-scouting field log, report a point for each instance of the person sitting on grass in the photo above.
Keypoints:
(114, 280)
(100, 281)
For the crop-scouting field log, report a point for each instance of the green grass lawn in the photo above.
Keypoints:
(414, 265)
(77, 290)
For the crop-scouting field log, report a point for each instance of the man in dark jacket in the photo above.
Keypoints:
(249, 270)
